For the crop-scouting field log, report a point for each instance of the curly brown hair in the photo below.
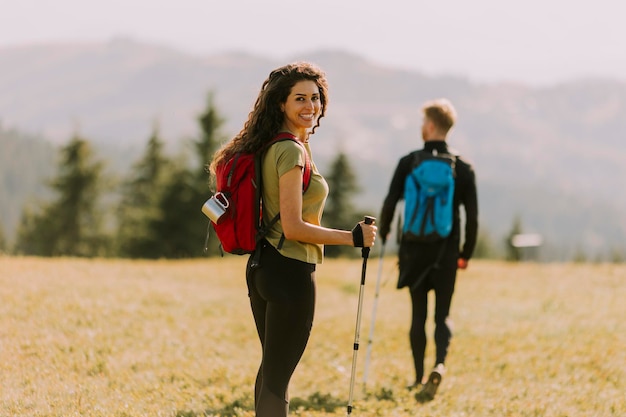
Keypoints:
(266, 118)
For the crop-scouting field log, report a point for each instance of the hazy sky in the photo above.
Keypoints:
(536, 42)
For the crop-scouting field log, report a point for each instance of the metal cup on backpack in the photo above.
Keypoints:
(215, 207)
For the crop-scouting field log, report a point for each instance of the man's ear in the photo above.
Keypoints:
(429, 126)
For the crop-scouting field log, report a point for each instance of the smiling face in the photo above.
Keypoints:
(302, 108)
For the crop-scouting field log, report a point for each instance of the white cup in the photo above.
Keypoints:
(215, 207)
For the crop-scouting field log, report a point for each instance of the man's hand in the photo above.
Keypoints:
(461, 263)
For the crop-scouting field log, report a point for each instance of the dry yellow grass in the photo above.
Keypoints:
(176, 338)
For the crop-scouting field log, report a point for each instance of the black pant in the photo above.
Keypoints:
(424, 268)
(282, 297)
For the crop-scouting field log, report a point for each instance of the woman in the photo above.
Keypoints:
(293, 99)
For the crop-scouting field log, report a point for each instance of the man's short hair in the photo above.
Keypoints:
(441, 112)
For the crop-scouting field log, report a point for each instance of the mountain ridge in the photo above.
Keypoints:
(566, 138)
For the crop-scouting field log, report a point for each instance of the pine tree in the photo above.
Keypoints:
(339, 211)
(179, 230)
(210, 123)
(72, 224)
(139, 208)
(167, 221)
(33, 236)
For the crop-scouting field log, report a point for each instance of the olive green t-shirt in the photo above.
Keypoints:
(280, 158)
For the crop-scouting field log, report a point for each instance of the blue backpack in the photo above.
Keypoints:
(429, 197)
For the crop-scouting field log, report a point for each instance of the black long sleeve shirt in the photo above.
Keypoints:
(465, 194)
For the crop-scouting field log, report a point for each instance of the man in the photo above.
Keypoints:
(433, 265)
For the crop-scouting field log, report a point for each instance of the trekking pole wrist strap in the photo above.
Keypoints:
(357, 236)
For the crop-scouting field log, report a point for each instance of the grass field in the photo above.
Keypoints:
(176, 338)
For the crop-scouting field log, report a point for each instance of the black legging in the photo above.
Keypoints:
(440, 279)
(282, 297)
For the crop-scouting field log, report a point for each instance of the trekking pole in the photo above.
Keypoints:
(364, 253)
(371, 335)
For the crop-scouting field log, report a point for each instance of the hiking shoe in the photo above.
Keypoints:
(430, 387)
(413, 386)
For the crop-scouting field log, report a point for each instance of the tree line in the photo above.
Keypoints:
(154, 212)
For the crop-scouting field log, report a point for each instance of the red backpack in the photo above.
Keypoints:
(238, 195)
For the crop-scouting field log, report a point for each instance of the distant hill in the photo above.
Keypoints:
(554, 156)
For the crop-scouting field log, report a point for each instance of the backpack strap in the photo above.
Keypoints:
(306, 180)
(417, 157)
(307, 173)
(232, 170)
(421, 154)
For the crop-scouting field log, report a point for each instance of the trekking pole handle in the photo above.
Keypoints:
(365, 252)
